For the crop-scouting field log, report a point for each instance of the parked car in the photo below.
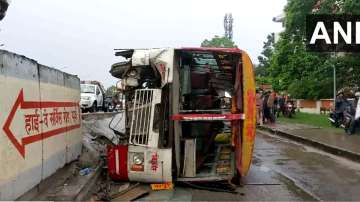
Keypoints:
(92, 96)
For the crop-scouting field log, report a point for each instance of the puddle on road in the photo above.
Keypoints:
(327, 176)
(264, 169)
(291, 185)
(348, 163)
(264, 183)
(281, 161)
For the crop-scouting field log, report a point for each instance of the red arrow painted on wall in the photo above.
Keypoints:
(21, 104)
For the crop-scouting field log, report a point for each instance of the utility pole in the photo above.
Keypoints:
(228, 25)
(334, 72)
(334, 81)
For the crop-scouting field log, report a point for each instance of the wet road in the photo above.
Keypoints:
(284, 170)
(265, 180)
(325, 176)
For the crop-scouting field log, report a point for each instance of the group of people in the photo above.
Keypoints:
(269, 106)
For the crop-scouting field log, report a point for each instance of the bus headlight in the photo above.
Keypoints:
(138, 159)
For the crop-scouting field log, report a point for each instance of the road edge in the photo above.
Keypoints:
(313, 143)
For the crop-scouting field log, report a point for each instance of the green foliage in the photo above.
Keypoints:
(317, 120)
(351, 6)
(263, 80)
(305, 74)
(268, 49)
(111, 91)
(218, 42)
(261, 71)
(295, 18)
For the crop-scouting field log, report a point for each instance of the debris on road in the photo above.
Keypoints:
(132, 193)
(100, 128)
(112, 191)
(85, 171)
(124, 187)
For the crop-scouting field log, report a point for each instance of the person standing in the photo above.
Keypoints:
(281, 102)
(271, 105)
(259, 107)
(266, 110)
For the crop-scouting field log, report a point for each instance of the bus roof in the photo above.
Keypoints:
(212, 49)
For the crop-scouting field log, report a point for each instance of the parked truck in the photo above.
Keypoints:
(92, 96)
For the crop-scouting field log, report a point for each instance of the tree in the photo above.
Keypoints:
(264, 60)
(351, 6)
(111, 91)
(218, 42)
(268, 49)
(307, 74)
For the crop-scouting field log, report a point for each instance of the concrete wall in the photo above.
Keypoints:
(314, 106)
(40, 123)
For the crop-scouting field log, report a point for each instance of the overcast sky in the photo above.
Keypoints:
(78, 36)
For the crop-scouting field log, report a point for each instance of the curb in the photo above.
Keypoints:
(353, 156)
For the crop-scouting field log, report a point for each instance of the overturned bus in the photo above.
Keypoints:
(189, 115)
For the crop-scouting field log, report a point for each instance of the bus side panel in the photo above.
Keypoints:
(249, 124)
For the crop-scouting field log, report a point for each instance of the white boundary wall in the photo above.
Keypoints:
(317, 107)
(40, 123)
